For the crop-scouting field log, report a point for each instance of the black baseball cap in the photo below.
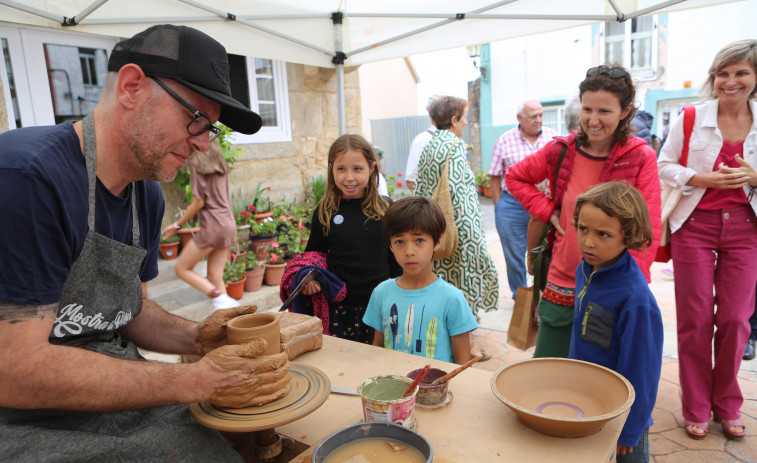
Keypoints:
(191, 58)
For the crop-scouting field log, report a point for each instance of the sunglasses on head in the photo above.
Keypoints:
(612, 73)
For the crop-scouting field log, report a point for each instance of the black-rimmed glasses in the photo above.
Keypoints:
(200, 122)
(612, 73)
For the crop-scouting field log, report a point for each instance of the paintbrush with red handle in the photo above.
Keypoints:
(416, 381)
(456, 371)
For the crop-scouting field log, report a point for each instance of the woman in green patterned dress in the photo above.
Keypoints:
(470, 268)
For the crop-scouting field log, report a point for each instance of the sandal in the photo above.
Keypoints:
(732, 429)
(696, 431)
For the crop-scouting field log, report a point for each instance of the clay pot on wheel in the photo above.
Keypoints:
(245, 328)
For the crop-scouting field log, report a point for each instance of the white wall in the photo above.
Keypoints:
(542, 66)
(387, 89)
(552, 65)
(695, 36)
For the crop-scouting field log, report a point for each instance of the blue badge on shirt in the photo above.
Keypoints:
(338, 219)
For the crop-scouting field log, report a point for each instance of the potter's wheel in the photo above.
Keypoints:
(308, 389)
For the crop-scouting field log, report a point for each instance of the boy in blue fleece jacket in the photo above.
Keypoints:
(617, 323)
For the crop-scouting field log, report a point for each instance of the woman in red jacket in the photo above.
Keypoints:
(600, 151)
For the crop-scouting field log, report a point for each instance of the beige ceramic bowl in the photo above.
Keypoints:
(562, 397)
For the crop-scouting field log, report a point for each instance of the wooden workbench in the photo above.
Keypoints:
(474, 427)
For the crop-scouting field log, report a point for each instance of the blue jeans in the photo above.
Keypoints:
(640, 453)
(512, 223)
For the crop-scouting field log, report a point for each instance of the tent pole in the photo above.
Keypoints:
(32, 10)
(338, 60)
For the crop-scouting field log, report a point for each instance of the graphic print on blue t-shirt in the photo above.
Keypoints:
(422, 321)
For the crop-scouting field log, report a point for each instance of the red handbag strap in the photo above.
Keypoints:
(689, 115)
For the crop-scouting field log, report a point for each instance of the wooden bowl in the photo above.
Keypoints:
(562, 397)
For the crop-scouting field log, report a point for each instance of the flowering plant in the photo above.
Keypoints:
(233, 270)
(276, 254)
(250, 261)
(267, 226)
(392, 184)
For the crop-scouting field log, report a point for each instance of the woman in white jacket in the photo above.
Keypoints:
(714, 239)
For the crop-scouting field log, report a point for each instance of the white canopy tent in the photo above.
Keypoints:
(331, 33)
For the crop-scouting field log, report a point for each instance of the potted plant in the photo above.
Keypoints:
(187, 232)
(262, 236)
(234, 277)
(487, 187)
(261, 206)
(480, 182)
(238, 251)
(254, 271)
(169, 247)
(275, 265)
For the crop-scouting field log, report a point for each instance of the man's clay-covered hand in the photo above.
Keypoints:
(264, 377)
(213, 329)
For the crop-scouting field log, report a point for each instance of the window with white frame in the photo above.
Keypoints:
(631, 44)
(261, 85)
(553, 117)
(48, 77)
(43, 75)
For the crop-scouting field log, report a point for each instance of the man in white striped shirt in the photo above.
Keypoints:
(510, 217)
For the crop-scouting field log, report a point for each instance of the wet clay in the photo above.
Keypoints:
(266, 376)
(300, 333)
(213, 330)
(374, 450)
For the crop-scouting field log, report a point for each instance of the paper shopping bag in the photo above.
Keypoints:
(523, 328)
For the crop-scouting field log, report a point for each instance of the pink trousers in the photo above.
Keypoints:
(714, 248)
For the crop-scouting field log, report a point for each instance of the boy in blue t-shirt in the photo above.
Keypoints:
(617, 323)
(419, 312)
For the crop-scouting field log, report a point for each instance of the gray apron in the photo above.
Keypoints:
(102, 293)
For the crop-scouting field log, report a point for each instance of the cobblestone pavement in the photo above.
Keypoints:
(668, 440)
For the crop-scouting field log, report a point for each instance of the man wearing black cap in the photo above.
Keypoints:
(81, 215)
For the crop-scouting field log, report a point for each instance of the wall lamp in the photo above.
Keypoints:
(474, 51)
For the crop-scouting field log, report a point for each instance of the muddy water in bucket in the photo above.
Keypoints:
(383, 402)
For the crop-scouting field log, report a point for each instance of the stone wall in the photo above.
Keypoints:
(287, 168)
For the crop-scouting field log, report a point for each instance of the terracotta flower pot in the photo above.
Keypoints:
(273, 273)
(260, 244)
(169, 251)
(487, 191)
(254, 278)
(264, 215)
(235, 289)
(245, 328)
(186, 235)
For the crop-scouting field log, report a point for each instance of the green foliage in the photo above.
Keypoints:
(317, 189)
(266, 227)
(482, 178)
(250, 261)
(290, 235)
(173, 239)
(392, 183)
(230, 153)
(234, 270)
(276, 254)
